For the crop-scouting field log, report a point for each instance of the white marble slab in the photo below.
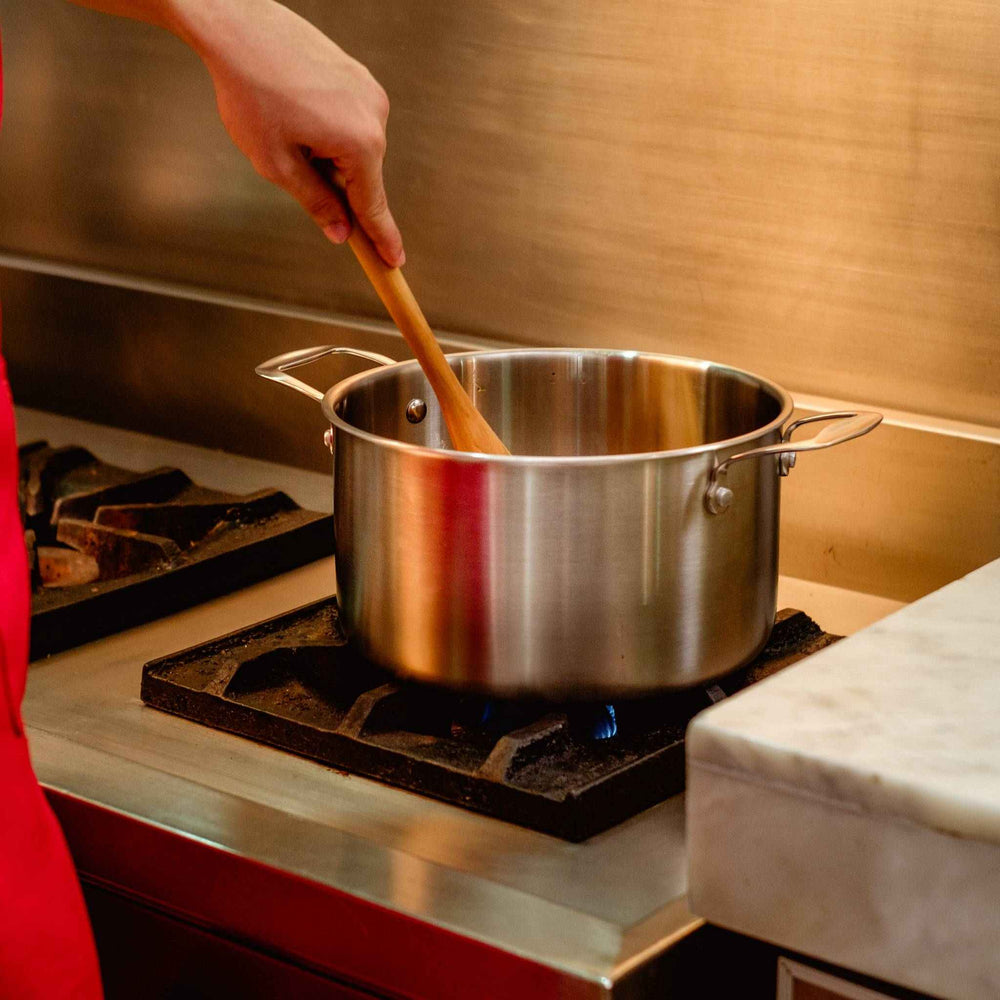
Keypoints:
(849, 808)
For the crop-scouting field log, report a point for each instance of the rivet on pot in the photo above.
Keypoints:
(416, 410)
(786, 462)
(328, 438)
(718, 499)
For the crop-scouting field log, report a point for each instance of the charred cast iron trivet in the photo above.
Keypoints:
(111, 548)
(292, 682)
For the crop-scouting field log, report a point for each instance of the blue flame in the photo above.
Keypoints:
(605, 725)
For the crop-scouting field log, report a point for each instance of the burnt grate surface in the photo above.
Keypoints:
(110, 548)
(294, 683)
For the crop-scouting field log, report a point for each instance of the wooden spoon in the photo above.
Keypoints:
(467, 427)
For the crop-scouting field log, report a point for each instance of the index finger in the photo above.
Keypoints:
(366, 195)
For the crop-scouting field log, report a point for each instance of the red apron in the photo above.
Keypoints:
(46, 948)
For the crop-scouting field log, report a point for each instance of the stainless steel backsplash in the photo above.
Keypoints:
(806, 189)
(178, 368)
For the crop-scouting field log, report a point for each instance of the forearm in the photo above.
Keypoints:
(194, 21)
(287, 94)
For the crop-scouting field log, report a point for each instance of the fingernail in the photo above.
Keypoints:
(400, 258)
(337, 231)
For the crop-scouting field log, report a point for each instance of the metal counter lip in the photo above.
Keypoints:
(171, 894)
(356, 959)
(129, 789)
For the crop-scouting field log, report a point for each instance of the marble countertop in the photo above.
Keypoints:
(848, 809)
(901, 718)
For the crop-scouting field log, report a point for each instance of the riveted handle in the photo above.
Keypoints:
(849, 424)
(277, 368)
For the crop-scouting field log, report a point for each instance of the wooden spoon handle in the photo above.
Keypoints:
(467, 427)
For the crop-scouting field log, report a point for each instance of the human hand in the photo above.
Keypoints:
(287, 95)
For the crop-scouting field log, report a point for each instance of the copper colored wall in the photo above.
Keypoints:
(808, 189)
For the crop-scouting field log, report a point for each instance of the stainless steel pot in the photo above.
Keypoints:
(628, 545)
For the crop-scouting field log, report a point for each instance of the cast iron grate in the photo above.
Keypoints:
(293, 682)
(110, 548)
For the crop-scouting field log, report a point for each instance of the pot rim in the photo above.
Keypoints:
(338, 391)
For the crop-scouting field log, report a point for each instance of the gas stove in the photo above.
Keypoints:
(572, 770)
(111, 547)
(335, 877)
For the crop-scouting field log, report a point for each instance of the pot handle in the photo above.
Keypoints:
(850, 424)
(277, 368)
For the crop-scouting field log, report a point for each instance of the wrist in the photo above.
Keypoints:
(202, 24)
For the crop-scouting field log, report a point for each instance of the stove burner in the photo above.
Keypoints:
(110, 548)
(568, 770)
(499, 716)
(605, 725)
